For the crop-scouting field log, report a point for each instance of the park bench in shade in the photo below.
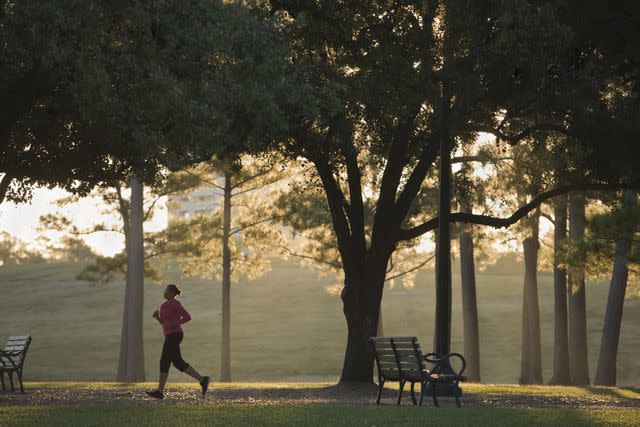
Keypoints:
(400, 359)
(12, 359)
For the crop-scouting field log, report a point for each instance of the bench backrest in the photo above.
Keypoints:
(398, 358)
(17, 343)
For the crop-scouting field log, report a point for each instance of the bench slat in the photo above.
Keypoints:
(19, 338)
(14, 348)
(18, 343)
(394, 338)
(400, 352)
(404, 364)
(404, 358)
(388, 346)
(395, 344)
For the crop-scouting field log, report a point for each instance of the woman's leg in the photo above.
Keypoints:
(165, 363)
(193, 373)
(165, 360)
(180, 364)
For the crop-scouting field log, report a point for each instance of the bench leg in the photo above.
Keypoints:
(20, 379)
(433, 394)
(2, 378)
(423, 387)
(11, 381)
(413, 393)
(379, 391)
(402, 383)
(456, 395)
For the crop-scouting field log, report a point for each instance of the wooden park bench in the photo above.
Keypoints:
(401, 359)
(12, 359)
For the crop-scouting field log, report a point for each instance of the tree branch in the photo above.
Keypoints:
(123, 210)
(356, 207)
(239, 229)
(548, 218)
(316, 259)
(252, 177)
(4, 185)
(414, 183)
(481, 159)
(390, 181)
(336, 201)
(257, 187)
(521, 212)
(514, 139)
(422, 264)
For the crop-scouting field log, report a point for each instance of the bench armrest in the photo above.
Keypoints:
(7, 355)
(437, 361)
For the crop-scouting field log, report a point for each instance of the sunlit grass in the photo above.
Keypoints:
(538, 390)
(180, 385)
(284, 415)
(527, 390)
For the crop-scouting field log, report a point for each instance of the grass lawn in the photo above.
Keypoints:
(503, 389)
(35, 409)
(284, 326)
(288, 415)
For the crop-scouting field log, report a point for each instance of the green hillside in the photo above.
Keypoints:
(284, 325)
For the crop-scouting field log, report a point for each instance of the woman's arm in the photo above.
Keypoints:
(184, 315)
(156, 315)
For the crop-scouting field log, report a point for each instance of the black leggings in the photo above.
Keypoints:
(171, 353)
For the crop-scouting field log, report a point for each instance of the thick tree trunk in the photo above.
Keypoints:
(578, 351)
(469, 308)
(361, 298)
(131, 364)
(531, 362)
(225, 367)
(380, 330)
(561, 373)
(606, 372)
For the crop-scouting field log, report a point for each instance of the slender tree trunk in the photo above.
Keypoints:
(442, 336)
(225, 367)
(469, 308)
(561, 373)
(578, 351)
(131, 364)
(361, 298)
(531, 362)
(124, 334)
(606, 372)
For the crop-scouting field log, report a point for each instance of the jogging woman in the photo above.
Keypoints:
(171, 315)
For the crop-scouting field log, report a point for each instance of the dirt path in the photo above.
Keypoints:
(332, 395)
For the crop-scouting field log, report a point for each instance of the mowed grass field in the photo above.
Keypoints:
(312, 404)
(285, 326)
(288, 415)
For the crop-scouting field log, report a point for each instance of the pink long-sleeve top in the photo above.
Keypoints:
(171, 311)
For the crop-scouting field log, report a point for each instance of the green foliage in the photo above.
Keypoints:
(97, 90)
(253, 232)
(596, 253)
(106, 269)
(302, 210)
